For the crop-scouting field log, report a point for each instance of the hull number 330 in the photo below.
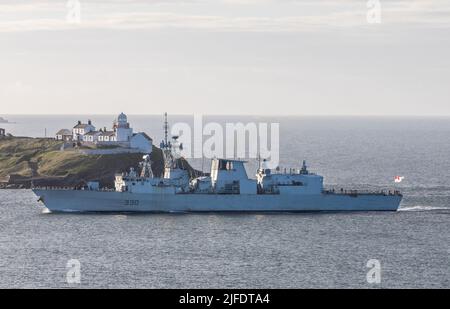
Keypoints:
(131, 202)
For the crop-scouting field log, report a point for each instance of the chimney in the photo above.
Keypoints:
(79, 121)
(89, 122)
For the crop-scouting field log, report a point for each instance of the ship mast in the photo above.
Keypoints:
(171, 150)
(166, 130)
(166, 145)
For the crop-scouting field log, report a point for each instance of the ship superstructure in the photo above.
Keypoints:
(227, 188)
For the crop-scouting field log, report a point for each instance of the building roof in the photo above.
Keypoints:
(81, 126)
(107, 133)
(144, 135)
(93, 133)
(64, 132)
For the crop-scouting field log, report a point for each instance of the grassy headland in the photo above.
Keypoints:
(40, 160)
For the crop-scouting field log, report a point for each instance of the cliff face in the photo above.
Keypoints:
(23, 160)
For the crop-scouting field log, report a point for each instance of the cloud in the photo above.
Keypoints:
(293, 15)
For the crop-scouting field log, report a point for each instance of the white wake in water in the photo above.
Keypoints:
(422, 208)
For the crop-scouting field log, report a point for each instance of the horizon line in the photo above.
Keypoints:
(243, 115)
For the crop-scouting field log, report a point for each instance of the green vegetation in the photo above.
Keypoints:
(17, 155)
(42, 161)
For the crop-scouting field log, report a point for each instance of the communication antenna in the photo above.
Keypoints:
(259, 160)
(166, 130)
(203, 163)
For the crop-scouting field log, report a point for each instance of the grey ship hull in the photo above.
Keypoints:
(99, 201)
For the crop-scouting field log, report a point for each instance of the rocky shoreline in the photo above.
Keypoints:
(12, 186)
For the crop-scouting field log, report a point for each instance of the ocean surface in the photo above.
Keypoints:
(253, 250)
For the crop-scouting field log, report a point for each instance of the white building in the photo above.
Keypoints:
(80, 129)
(122, 135)
(64, 135)
(106, 137)
(122, 128)
(141, 141)
(91, 137)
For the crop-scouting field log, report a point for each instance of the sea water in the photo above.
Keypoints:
(253, 250)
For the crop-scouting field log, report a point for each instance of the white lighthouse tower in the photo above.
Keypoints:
(122, 128)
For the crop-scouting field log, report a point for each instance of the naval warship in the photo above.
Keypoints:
(227, 188)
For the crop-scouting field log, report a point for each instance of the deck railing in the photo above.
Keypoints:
(73, 189)
(362, 192)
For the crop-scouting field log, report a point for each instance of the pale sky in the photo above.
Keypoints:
(266, 57)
